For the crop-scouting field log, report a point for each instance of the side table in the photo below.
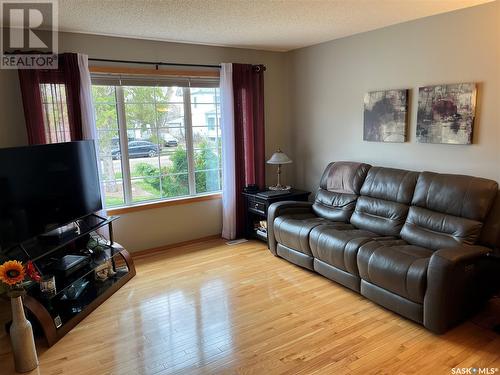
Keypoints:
(256, 207)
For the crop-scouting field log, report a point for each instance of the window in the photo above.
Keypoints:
(55, 112)
(159, 138)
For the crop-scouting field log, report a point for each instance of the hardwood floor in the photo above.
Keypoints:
(210, 308)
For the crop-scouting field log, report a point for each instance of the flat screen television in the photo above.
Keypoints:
(44, 187)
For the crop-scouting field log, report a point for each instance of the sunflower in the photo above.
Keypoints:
(12, 272)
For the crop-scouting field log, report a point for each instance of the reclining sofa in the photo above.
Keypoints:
(415, 243)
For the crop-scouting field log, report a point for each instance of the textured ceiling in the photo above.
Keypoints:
(278, 25)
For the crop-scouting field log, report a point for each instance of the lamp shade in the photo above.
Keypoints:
(279, 158)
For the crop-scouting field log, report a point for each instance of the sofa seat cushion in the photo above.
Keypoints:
(338, 247)
(396, 266)
(293, 230)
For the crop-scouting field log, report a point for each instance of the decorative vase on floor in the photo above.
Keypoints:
(21, 336)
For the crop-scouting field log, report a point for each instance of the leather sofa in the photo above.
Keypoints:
(415, 243)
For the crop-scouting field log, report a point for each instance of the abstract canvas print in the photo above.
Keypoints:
(446, 113)
(385, 116)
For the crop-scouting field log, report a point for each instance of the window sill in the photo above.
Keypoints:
(165, 203)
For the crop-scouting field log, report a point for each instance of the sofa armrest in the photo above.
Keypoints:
(282, 208)
(454, 288)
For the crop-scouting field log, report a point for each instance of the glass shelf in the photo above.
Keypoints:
(64, 282)
(36, 248)
(86, 225)
(67, 309)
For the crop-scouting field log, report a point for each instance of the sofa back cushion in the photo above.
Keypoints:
(384, 202)
(448, 210)
(339, 189)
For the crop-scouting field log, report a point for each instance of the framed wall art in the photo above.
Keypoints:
(385, 116)
(446, 113)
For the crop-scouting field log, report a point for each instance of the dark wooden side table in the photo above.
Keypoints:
(256, 207)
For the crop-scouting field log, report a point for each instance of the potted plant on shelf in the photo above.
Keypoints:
(14, 276)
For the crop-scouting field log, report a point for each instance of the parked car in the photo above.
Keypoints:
(169, 140)
(115, 142)
(138, 149)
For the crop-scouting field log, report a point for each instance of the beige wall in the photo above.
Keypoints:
(330, 79)
(167, 225)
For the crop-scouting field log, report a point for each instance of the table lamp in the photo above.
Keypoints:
(279, 158)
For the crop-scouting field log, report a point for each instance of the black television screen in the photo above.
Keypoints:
(46, 186)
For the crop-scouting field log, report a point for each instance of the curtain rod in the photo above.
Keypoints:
(157, 64)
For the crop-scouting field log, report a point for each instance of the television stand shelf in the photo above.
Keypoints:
(80, 290)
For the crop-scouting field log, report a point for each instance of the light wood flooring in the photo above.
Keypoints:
(210, 308)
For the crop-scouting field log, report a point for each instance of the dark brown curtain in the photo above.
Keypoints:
(248, 88)
(30, 79)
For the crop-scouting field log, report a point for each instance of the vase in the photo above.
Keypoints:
(21, 337)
